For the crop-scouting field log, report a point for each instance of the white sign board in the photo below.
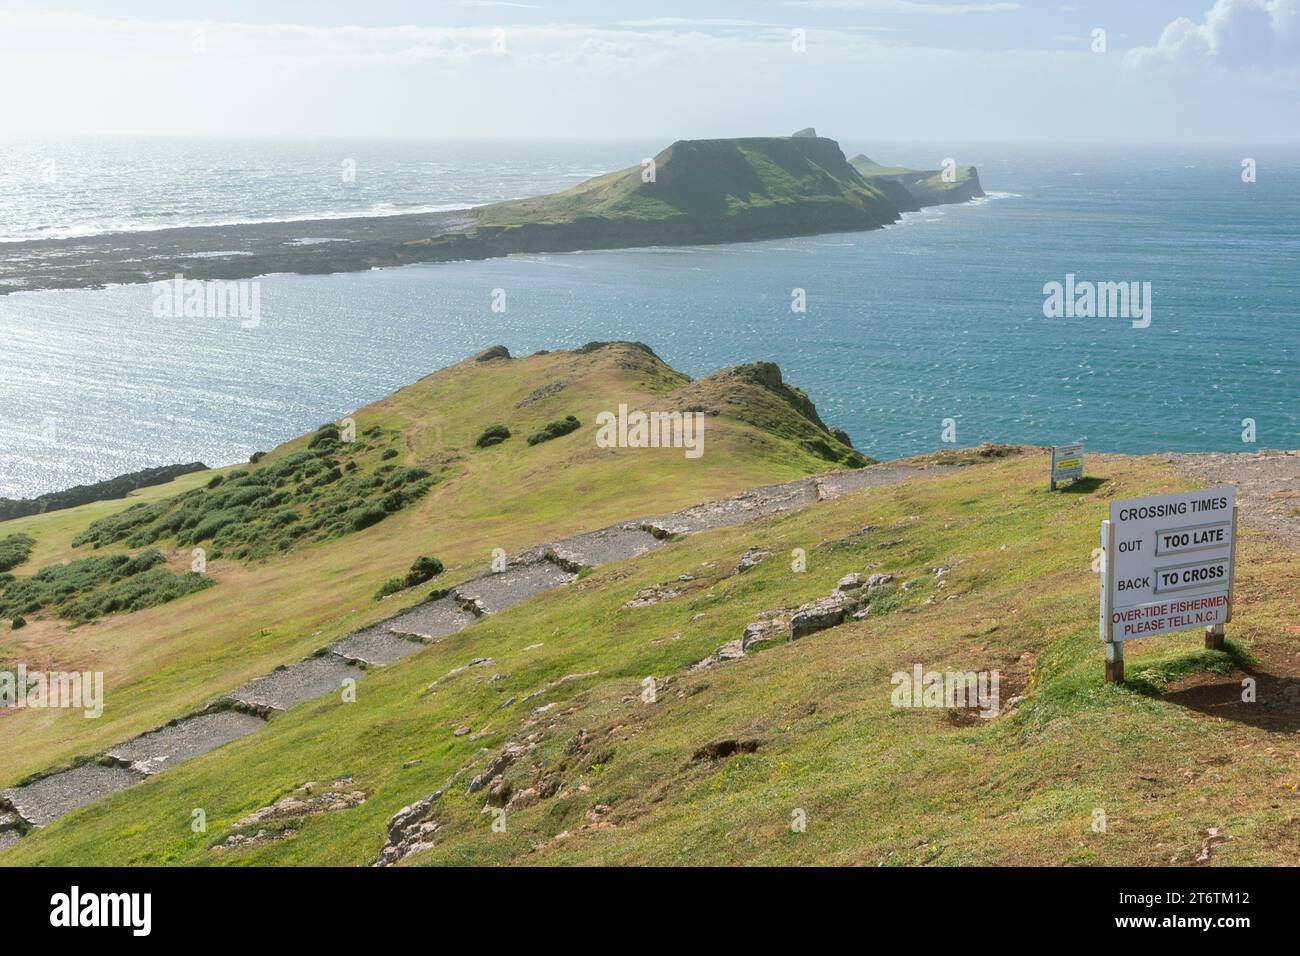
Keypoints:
(1168, 563)
(1067, 462)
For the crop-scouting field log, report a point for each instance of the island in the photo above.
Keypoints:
(693, 192)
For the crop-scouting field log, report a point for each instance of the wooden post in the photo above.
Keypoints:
(1214, 633)
(1115, 662)
(1114, 649)
(1214, 637)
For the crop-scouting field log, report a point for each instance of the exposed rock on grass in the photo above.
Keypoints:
(283, 819)
(819, 615)
(721, 749)
(539, 394)
(409, 831)
(653, 595)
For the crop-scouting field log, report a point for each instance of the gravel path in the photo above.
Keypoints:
(376, 646)
(44, 801)
(496, 592)
(298, 683)
(431, 620)
(877, 476)
(167, 746)
(605, 546)
(1268, 486)
(749, 506)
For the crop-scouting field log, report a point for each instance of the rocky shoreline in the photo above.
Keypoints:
(326, 246)
(307, 247)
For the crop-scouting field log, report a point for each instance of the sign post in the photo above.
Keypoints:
(1067, 462)
(1168, 564)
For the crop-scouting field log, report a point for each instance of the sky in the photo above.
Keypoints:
(1098, 71)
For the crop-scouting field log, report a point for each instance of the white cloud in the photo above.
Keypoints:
(691, 22)
(1232, 33)
(907, 6)
(91, 75)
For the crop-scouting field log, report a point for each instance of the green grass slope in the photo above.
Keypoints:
(716, 190)
(912, 189)
(991, 571)
(299, 543)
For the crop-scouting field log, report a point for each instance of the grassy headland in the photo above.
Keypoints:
(912, 189)
(297, 561)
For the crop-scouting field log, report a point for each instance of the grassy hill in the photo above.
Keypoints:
(701, 191)
(912, 189)
(295, 563)
(990, 571)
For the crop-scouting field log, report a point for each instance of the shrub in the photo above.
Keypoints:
(365, 517)
(135, 593)
(325, 434)
(555, 429)
(424, 569)
(390, 453)
(14, 550)
(87, 588)
(493, 435)
(18, 622)
(304, 496)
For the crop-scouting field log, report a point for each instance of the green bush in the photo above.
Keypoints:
(18, 622)
(390, 453)
(365, 517)
(493, 435)
(135, 594)
(310, 495)
(555, 429)
(423, 569)
(84, 589)
(325, 434)
(14, 550)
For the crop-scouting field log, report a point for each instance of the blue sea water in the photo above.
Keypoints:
(939, 317)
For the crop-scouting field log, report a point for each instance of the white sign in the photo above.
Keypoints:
(1067, 462)
(1168, 563)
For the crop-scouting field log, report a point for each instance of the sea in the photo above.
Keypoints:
(927, 332)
